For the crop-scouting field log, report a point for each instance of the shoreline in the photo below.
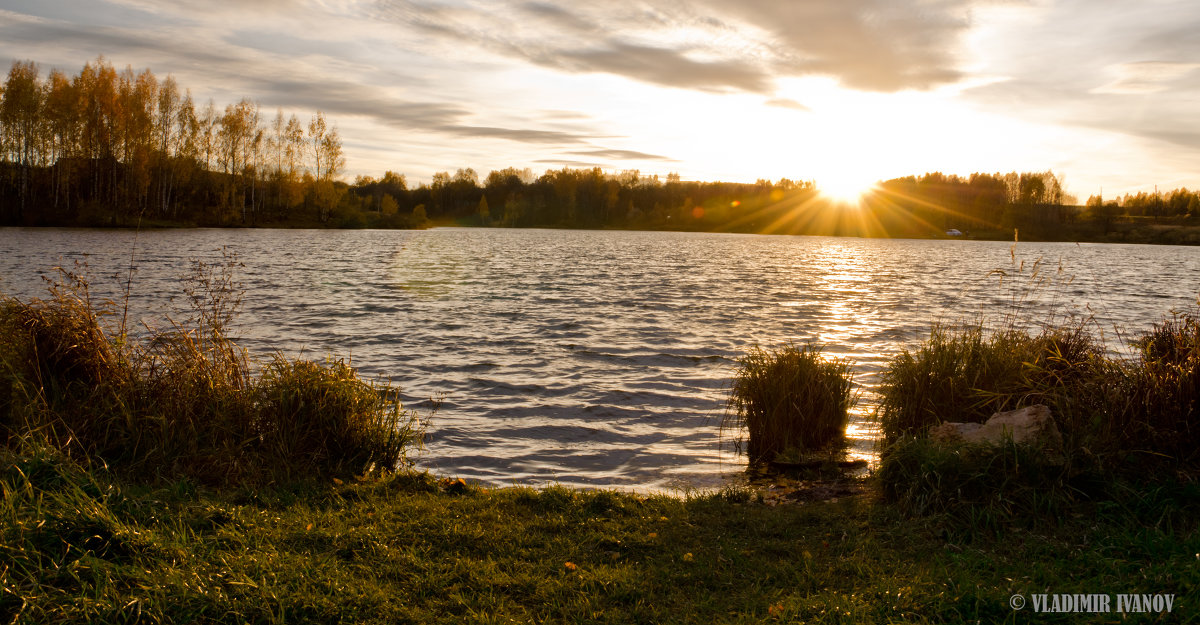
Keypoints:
(1155, 233)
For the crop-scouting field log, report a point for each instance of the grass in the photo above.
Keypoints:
(1110, 410)
(789, 400)
(1126, 421)
(82, 545)
(186, 401)
(966, 374)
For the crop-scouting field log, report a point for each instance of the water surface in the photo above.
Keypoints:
(598, 358)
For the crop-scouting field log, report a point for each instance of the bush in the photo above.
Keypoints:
(1129, 419)
(790, 399)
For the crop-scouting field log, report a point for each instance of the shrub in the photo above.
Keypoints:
(56, 357)
(1127, 418)
(789, 399)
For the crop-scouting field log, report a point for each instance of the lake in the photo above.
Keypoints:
(603, 358)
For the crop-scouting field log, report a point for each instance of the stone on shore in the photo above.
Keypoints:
(1031, 425)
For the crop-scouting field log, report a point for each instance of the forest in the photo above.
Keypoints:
(123, 148)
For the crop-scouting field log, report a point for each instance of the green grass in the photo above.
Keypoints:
(789, 400)
(83, 546)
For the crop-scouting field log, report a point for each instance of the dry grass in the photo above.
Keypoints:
(186, 400)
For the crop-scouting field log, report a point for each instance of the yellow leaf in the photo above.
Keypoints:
(308, 528)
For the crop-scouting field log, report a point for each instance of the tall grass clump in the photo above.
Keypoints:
(977, 488)
(186, 400)
(1162, 392)
(966, 374)
(1123, 420)
(790, 399)
(315, 418)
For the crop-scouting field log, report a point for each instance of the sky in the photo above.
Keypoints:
(1106, 93)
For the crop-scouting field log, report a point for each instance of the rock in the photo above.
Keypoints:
(952, 432)
(1031, 425)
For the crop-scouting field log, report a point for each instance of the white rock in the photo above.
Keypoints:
(1031, 425)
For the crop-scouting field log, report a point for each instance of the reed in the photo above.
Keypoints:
(186, 400)
(789, 400)
(1162, 388)
(1125, 421)
(315, 419)
(966, 374)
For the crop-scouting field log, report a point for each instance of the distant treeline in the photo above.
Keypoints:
(108, 147)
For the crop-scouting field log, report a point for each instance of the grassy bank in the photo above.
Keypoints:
(80, 546)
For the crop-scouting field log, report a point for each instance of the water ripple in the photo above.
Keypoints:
(600, 358)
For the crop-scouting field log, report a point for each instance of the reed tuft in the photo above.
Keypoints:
(966, 374)
(789, 400)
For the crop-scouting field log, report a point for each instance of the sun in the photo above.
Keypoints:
(844, 189)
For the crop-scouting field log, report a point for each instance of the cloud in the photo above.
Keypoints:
(1145, 77)
(1138, 80)
(513, 134)
(568, 163)
(786, 103)
(662, 66)
(715, 45)
(629, 155)
(874, 45)
(272, 79)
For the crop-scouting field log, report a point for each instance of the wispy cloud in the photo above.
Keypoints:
(1145, 77)
(786, 103)
(1138, 79)
(624, 155)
